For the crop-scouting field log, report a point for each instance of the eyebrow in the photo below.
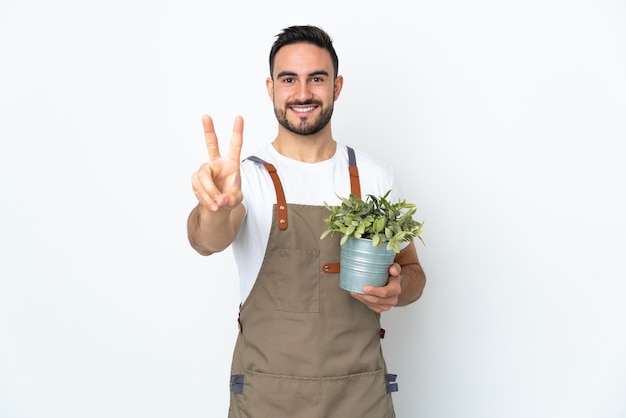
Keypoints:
(292, 74)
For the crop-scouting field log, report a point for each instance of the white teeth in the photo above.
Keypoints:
(302, 109)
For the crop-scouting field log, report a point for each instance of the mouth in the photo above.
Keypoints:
(301, 110)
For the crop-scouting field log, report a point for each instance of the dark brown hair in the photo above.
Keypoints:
(304, 34)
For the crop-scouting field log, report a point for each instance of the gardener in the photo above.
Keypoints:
(306, 348)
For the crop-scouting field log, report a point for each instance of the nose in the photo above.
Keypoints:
(303, 92)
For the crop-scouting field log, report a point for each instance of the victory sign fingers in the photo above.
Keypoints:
(217, 183)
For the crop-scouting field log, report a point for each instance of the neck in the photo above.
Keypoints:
(308, 149)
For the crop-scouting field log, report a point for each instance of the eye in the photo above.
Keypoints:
(317, 80)
(288, 80)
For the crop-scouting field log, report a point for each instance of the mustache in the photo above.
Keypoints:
(304, 103)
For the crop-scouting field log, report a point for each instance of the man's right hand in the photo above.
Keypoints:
(217, 183)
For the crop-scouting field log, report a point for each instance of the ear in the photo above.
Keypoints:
(269, 84)
(338, 86)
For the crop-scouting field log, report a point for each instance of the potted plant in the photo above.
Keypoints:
(372, 231)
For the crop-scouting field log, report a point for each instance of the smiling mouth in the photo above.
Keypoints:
(303, 109)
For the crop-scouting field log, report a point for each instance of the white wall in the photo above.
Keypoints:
(505, 119)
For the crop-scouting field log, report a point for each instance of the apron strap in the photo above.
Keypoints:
(236, 383)
(281, 202)
(390, 380)
(355, 184)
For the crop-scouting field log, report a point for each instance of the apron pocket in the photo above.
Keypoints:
(362, 395)
(275, 396)
(297, 282)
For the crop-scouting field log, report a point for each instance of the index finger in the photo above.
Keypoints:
(210, 138)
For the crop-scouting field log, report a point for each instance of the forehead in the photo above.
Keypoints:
(302, 58)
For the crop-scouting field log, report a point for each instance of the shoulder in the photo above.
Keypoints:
(377, 174)
(264, 153)
(372, 162)
(251, 168)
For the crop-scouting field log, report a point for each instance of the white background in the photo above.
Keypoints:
(505, 119)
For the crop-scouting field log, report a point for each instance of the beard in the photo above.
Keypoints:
(304, 127)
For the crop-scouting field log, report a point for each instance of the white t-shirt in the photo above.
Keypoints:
(303, 183)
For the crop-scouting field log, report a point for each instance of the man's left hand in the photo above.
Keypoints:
(381, 299)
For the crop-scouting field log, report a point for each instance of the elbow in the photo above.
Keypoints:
(201, 249)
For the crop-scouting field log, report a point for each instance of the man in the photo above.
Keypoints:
(306, 348)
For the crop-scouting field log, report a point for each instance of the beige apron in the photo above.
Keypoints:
(306, 348)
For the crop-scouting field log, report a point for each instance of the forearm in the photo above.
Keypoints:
(210, 232)
(412, 281)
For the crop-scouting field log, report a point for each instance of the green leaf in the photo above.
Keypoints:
(376, 240)
(361, 228)
(379, 225)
